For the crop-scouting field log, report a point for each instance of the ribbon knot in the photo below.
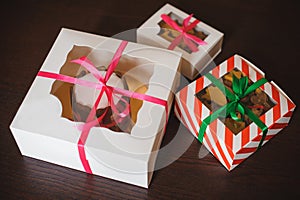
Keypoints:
(239, 87)
(104, 88)
(187, 38)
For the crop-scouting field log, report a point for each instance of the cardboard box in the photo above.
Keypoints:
(42, 133)
(154, 32)
(228, 147)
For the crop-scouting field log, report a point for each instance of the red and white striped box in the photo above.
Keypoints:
(228, 148)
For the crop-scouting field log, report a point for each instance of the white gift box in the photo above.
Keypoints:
(41, 132)
(192, 63)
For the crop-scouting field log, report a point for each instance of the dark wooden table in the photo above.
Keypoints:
(266, 32)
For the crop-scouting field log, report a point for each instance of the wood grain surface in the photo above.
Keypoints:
(264, 31)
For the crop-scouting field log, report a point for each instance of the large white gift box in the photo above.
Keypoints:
(42, 133)
(155, 32)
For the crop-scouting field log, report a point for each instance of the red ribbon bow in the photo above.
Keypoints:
(184, 36)
(103, 87)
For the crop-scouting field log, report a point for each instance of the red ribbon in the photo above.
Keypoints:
(104, 88)
(184, 36)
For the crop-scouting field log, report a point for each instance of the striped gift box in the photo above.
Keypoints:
(231, 149)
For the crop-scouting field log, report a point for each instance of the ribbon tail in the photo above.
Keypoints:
(196, 39)
(244, 84)
(192, 25)
(83, 159)
(186, 21)
(90, 117)
(92, 123)
(192, 46)
(175, 42)
(255, 85)
(122, 113)
(88, 65)
(260, 125)
(115, 60)
(221, 111)
(85, 133)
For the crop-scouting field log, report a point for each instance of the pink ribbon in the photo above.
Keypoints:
(184, 36)
(104, 88)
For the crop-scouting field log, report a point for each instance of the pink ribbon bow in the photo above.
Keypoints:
(104, 88)
(184, 36)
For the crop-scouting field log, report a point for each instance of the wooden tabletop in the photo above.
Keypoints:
(266, 32)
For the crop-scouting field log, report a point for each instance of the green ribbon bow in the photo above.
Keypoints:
(241, 89)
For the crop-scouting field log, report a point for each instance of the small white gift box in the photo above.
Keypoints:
(156, 32)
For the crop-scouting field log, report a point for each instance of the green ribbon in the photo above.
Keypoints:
(241, 89)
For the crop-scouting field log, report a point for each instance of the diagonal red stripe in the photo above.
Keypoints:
(197, 103)
(183, 99)
(276, 108)
(289, 114)
(258, 138)
(278, 126)
(247, 150)
(216, 72)
(229, 141)
(213, 128)
(245, 67)
(245, 137)
(237, 161)
(230, 63)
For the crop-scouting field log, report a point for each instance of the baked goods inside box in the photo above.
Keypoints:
(131, 74)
